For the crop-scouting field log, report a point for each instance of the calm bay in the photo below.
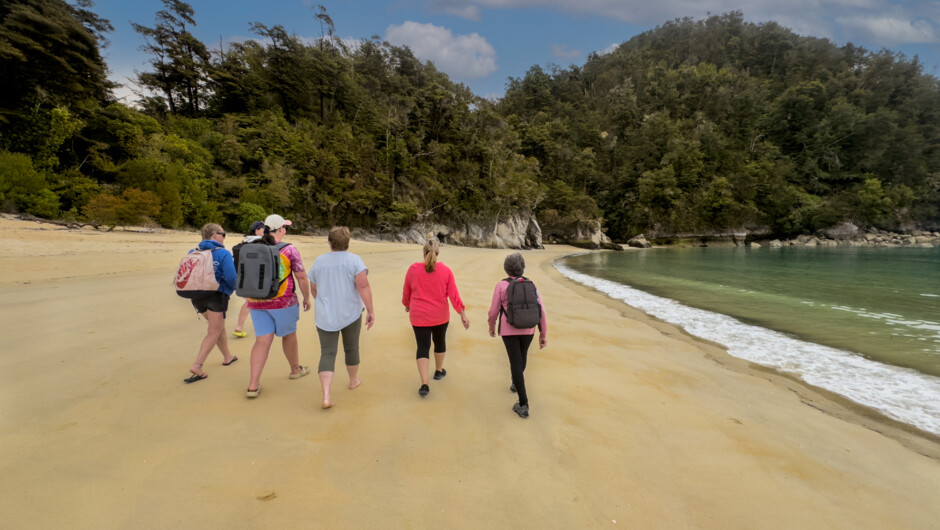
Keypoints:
(863, 322)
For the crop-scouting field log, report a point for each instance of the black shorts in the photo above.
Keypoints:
(217, 302)
(424, 335)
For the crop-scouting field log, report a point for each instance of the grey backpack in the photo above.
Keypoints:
(523, 309)
(259, 268)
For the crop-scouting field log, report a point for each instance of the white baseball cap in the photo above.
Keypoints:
(275, 222)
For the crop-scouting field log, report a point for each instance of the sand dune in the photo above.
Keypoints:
(633, 424)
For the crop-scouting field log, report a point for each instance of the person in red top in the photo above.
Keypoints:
(428, 285)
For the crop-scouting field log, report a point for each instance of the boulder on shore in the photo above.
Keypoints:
(639, 242)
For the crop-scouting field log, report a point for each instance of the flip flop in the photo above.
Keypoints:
(304, 370)
(193, 378)
(240, 334)
(253, 393)
(230, 362)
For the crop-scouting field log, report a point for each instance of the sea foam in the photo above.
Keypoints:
(900, 393)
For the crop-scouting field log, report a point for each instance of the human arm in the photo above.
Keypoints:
(493, 313)
(543, 324)
(365, 292)
(455, 300)
(227, 264)
(313, 280)
(406, 291)
(300, 274)
(304, 285)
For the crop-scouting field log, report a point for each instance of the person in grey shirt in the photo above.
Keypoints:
(341, 291)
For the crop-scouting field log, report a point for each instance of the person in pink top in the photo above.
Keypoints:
(516, 340)
(428, 286)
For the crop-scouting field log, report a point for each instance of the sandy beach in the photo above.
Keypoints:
(634, 424)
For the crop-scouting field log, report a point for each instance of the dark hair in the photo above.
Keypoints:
(514, 265)
(267, 238)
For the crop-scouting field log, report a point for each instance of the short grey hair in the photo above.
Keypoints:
(514, 265)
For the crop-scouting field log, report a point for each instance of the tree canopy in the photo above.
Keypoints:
(694, 126)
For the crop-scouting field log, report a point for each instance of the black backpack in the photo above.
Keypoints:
(259, 266)
(523, 309)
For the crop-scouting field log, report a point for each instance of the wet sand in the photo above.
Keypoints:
(633, 422)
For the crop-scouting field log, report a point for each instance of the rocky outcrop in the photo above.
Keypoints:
(585, 235)
(639, 241)
(519, 231)
(731, 238)
(849, 235)
(845, 234)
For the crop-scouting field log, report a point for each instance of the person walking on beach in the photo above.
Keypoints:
(516, 340)
(253, 236)
(279, 315)
(214, 306)
(428, 286)
(341, 291)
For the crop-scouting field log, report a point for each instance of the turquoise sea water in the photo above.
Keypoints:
(863, 322)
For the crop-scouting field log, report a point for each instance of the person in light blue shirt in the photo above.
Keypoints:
(341, 291)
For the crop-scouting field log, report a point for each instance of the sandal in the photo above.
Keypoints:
(253, 393)
(304, 370)
(195, 377)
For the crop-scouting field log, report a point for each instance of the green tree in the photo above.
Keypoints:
(24, 189)
(180, 61)
(50, 55)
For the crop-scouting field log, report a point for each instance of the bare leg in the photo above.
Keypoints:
(259, 356)
(326, 380)
(354, 380)
(242, 316)
(216, 326)
(439, 361)
(222, 343)
(423, 363)
(291, 351)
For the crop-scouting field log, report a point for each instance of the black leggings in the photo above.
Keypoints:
(517, 347)
(424, 334)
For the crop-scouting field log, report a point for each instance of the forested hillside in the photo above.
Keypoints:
(691, 127)
(715, 124)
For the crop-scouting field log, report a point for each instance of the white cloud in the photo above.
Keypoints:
(872, 23)
(609, 49)
(461, 9)
(562, 51)
(891, 30)
(463, 57)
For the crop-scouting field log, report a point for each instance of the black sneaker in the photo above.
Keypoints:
(512, 388)
(521, 410)
(440, 375)
(423, 391)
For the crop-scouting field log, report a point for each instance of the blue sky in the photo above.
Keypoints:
(484, 42)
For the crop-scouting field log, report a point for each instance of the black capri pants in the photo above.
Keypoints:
(424, 335)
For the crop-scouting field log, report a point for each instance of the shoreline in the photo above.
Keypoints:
(829, 402)
(633, 420)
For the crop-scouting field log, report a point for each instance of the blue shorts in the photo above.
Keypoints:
(281, 322)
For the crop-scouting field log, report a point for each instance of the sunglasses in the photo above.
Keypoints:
(220, 234)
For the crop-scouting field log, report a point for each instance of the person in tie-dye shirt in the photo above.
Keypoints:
(279, 315)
